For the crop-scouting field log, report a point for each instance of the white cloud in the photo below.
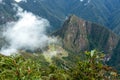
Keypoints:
(81, 0)
(18, 0)
(28, 33)
(21, 0)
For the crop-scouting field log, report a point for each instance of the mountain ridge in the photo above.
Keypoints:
(105, 13)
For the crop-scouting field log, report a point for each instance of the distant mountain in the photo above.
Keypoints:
(80, 35)
(104, 12)
(7, 12)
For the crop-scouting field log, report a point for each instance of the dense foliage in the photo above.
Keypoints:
(89, 68)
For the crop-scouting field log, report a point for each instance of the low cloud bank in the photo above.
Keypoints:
(28, 33)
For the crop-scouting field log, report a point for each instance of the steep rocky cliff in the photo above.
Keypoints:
(78, 35)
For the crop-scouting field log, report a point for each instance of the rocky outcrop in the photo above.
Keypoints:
(74, 33)
(79, 35)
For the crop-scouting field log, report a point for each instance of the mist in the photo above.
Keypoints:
(28, 33)
(21, 0)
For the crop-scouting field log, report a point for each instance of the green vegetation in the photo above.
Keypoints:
(90, 67)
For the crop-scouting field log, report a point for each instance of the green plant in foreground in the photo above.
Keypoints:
(18, 68)
(89, 68)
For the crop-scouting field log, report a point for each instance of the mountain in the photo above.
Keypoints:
(80, 35)
(7, 12)
(57, 10)
(104, 12)
(81, 41)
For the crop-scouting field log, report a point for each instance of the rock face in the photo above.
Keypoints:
(74, 33)
(101, 38)
(79, 35)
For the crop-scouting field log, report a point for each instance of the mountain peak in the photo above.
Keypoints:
(74, 33)
(79, 35)
(74, 18)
